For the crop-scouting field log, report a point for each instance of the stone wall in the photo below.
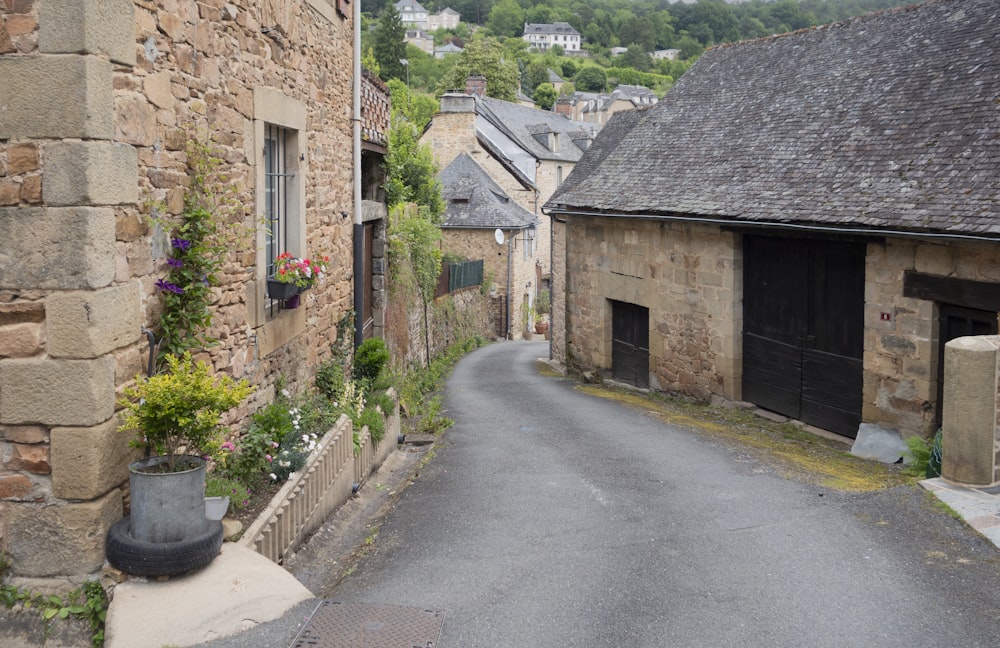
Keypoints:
(480, 244)
(101, 97)
(685, 274)
(901, 352)
(690, 277)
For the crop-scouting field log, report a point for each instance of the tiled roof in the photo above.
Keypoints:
(475, 201)
(888, 121)
(523, 124)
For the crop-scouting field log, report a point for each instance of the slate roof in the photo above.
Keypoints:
(475, 201)
(889, 121)
(526, 125)
(411, 6)
(550, 28)
(619, 125)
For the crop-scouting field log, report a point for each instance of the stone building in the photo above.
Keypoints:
(476, 207)
(597, 108)
(526, 151)
(100, 99)
(807, 239)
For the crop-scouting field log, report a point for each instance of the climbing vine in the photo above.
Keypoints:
(197, 247)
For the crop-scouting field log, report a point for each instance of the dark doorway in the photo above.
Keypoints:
(630, 343)
(957, 322)
(803, 329)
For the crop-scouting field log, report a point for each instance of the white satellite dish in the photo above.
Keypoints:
(498, 235)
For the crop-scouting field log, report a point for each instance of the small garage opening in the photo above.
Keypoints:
(630, 343)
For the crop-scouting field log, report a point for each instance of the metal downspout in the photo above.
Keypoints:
(359, 228)
(510, 244)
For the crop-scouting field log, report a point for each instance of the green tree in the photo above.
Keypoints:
(690, 48)
(416, 108)
(636, 58)
(534, 75)
(545, 96)
(411, 172)
(506, 18)
(485, 57)
(389, 45)
(591, 78)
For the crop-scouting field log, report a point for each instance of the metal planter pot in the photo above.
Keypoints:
(167, 506)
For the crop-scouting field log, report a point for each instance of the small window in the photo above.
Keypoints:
(280, 163)
(276, 185)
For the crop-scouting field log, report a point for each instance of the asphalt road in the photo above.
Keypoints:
(552, 518)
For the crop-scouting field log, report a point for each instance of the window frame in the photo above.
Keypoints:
(272, 109)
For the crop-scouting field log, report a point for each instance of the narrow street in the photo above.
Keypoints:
(548, 517)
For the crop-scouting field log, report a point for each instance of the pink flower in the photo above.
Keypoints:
(268, 457)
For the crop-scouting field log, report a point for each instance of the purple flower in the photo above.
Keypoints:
(165, 285)
(180, 244)
(175, 263)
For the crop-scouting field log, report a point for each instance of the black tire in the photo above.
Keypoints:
(161, 558)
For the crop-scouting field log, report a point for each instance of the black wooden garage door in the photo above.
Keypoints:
(803, 329)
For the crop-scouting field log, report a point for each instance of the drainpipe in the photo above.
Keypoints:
(552, 280)
(359, 228)
(510, 244)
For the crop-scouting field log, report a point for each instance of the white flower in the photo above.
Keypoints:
(286, 393)
(274, 477)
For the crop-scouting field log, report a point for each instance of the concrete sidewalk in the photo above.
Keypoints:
(979, 507)
(237, 591)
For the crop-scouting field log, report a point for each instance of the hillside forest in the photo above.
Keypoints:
(639, 26)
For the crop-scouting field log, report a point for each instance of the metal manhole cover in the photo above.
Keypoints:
(369, 625)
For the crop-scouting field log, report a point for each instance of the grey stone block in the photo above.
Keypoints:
(90, 173)
(881, 444)
(56, 96)
(88, 26)
(67, 248)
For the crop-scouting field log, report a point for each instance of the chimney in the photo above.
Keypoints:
(475, 84)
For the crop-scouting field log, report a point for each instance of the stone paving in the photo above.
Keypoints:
(979, 507)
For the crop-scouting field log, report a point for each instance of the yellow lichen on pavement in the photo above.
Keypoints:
(796, 453)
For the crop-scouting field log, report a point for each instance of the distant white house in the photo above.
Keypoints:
(668, 54)
(412, 13)
(447, 18)
(544, 36)
(618, 51)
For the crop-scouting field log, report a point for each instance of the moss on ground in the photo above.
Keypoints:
(794, 452)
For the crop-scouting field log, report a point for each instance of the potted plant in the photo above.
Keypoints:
(175, 416)
(293, 275)
(543, 305)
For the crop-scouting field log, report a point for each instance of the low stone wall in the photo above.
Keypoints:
(323, 485)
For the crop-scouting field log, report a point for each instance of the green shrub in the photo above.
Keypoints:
(375, 422)
(919, 454)
(219, 486)
(370, 360)
(330, 377)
